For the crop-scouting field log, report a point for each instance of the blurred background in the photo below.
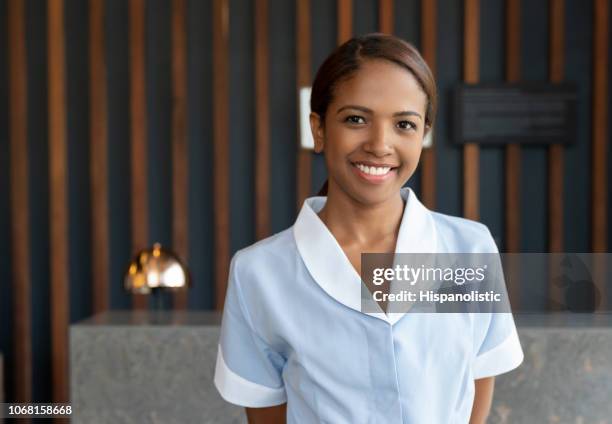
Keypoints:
(124, 123)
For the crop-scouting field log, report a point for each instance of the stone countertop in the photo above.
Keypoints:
(117, 358)
(566, 320)
(165, 318)
(147, 367)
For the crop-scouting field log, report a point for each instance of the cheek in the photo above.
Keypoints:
(342, 141)
(411, 153)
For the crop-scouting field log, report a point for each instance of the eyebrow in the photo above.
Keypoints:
(366, 110)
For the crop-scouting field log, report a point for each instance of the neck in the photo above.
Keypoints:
(357, 223)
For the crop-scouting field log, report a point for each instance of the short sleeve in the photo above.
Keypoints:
(500, 349)
(248, 371)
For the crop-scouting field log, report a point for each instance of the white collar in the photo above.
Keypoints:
(330, 267)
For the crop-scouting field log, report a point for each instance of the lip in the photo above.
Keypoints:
(374, 179)
(370, 163)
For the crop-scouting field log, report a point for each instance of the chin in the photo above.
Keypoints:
(374, 194)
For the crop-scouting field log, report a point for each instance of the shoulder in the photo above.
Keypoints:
(464, 235)
(274, 251)
(261, 273)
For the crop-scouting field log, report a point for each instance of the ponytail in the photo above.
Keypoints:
(323, 190)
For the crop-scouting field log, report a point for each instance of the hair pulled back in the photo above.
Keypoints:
(348, 58)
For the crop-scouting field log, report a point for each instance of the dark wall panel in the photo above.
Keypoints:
(534, 159)
(407, 26)
(159, 120)
(324, 41)
(199, 97)
(77, 85)
(365, 16)
(450, 61)
(283, 114)
(407, 18)
(36, 44)
(577, 174)
(116, 33)
(492, 60)
(242, 124)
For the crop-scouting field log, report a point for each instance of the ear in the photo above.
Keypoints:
(318, 132)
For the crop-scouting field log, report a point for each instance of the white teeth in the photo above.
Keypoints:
(373, 170)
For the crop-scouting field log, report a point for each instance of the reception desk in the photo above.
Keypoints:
(147, 367)
(135, 367)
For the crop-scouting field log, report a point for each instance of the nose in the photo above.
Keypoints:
(379, 140)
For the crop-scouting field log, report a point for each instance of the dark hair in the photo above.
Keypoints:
(348, 58)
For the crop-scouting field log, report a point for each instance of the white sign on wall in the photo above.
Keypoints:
(428, 139)
(306, 140)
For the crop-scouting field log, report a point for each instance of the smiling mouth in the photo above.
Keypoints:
(374, 170)
(371, 173)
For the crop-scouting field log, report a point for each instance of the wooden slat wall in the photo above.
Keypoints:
(262, 123)
(180, 163)
(302, 36)
(471, 156)
(58, 200)
(138, 129)
(98, 160)
(221, 146)
(428, 50)
(555, 152)
(20, 208)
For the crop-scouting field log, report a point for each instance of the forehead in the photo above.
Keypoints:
(381, 86)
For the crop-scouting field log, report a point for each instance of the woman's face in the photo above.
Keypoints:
(373, 132)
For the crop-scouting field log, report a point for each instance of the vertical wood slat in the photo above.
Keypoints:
(428, 49)
(555, 151)
(98, 158)
(345, 20)
(601, 34)
(138, 129)
(180, 164)
(302, 36)
(513, 151)
(385, 16)
(262, 123)
(20, 208)
(471, 154)
(220, 27)
(58, 201)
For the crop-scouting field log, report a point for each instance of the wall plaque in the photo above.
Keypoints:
(515, 113)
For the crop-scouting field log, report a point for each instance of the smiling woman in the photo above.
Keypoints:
(296, 345)
(372, 69)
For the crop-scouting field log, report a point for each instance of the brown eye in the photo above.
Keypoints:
(355, 119)
(406, 125)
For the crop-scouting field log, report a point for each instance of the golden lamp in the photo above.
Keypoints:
(155, 269)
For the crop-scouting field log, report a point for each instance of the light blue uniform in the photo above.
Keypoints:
(293, 331)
